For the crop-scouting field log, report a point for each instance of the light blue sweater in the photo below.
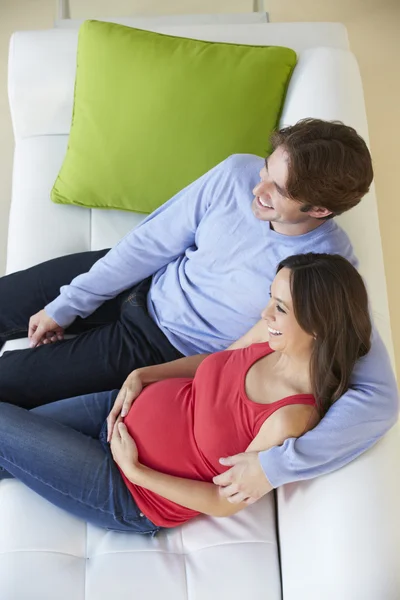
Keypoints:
(212, 263)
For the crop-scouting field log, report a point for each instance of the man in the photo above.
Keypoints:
(212, 251)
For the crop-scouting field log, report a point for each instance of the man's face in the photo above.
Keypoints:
(271, 202)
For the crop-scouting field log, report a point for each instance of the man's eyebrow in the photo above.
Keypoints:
(282, 191)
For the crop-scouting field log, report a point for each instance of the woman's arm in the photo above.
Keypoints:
(200, 496)
(204, 497)
(196, 495)
(256, 335)
(182, 367)
(135, 382)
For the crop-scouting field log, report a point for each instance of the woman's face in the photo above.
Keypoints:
(285, 334)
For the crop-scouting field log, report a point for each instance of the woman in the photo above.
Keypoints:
(274, 383)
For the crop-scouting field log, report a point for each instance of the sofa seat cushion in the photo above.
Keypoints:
(207, 558)
(46, 554)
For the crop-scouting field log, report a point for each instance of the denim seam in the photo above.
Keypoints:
(117, 516)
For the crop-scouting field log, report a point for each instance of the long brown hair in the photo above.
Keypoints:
(330, 302)
(329, 164)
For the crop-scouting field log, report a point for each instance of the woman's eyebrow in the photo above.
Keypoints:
(281, 301)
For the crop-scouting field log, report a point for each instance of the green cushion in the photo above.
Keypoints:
(153, 112)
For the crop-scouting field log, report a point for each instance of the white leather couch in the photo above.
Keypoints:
(336, 537)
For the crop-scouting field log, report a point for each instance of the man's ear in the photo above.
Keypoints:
(318, 212)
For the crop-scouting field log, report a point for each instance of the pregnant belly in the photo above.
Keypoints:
(161, 423)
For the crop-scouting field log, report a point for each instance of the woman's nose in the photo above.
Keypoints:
(267, 313)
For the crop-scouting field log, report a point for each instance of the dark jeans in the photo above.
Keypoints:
(117, 338)
(60, 451)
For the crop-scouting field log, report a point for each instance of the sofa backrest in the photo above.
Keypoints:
(42, 65)
(326, 83)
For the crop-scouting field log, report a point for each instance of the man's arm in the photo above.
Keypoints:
(352, 425)
(163, 236)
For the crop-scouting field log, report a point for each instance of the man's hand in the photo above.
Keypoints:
(124, 449)
(245, 481)
(123, 402)
(44, 330)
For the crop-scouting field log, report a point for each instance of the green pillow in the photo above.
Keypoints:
(153, 112)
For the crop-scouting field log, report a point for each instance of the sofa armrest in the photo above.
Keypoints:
(340, 534)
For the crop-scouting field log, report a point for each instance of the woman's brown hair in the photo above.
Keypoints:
(330, 302)
(330, 165)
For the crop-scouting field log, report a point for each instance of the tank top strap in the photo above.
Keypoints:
(307, 399)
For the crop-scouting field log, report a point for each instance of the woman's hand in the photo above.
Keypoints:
(124, 450)
(122, 405)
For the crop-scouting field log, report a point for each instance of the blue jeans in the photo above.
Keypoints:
(60, 451)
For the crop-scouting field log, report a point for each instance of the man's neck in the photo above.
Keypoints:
(297, 228)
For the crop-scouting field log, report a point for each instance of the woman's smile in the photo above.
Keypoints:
(274, 331)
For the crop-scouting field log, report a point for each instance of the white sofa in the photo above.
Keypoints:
(336, 537)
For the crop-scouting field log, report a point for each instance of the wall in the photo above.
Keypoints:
(374, 32)
(14, 15)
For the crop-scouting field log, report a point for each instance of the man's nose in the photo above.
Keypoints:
(259, 188)
(263, 187)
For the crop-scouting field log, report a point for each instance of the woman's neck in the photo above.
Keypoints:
(295, 369)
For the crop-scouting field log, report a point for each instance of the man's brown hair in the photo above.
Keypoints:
(329, 164)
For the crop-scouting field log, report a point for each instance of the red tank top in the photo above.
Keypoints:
(183, 426)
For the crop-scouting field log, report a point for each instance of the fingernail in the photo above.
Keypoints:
(222, 461)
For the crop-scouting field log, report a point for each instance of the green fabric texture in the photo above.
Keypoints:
(153, 112)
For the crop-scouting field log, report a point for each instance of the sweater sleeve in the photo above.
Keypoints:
(163, 236)
(352, 425)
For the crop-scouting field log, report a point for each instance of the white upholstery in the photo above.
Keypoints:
(339, 536)
(45, 554)
(42, 65)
